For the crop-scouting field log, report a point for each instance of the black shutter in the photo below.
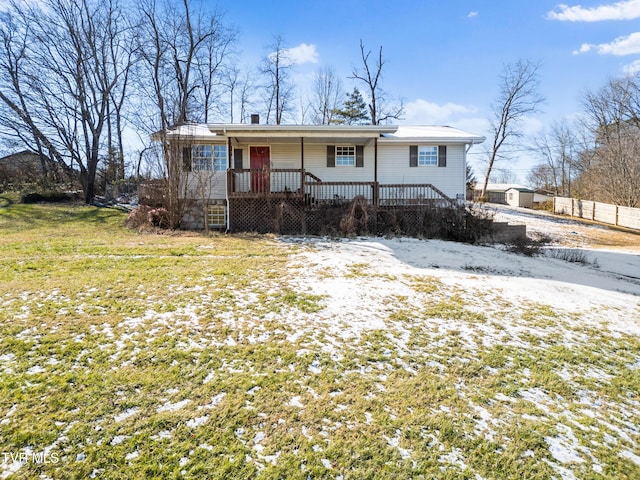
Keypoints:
(413, 156)
(186, 159)
(237, 158)
(359, 156)
(331, 156)
(442, 156)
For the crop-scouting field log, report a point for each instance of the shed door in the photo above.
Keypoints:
(260, 159)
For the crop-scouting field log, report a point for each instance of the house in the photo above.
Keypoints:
(242, 170)
(507, 194)
(24, 166)
(541, 196)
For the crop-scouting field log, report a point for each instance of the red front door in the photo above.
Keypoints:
(260, 162)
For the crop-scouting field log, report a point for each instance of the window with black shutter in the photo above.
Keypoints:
(413, 156)
(331, 156)
(442, 156)
(359, 156)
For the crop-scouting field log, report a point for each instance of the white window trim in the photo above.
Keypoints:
(210, 161)
(420, 147)
(354, 155)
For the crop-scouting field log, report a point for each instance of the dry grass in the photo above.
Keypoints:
(138, 355)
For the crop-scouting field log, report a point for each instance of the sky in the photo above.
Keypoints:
(444, 58)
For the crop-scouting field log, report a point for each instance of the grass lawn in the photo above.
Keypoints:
(137, 355)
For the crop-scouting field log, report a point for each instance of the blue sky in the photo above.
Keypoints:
(444, 58)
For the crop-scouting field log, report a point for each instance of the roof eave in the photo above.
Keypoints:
(463, 140)
(273, 131)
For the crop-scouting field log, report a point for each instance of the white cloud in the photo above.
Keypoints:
(584, 48)
(624, 10)
(531, 125)
(628, 45)
(423, 112)
(303, 53)
(621, 46)
(632, 68)
(473, 14)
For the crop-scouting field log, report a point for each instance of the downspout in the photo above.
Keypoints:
(464, 161)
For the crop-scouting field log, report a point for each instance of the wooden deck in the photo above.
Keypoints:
(297, 184)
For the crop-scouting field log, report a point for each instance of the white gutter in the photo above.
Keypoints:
(428, 139)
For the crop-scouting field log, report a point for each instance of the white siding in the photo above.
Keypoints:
(287, 155)
(206, 185)
(315, 161)
(393, 167)
(283, 155)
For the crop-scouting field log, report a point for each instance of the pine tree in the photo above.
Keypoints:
(353, 111)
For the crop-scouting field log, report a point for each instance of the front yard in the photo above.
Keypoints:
(132, 355)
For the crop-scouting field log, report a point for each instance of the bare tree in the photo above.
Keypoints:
(240, 92)
(63, 68)
(247, 95)
(231, 81)
(518, 97)
(180, 49)
(210, 63)
(558, 148)
(15, 110)
(611, 167)
(326, 94)
(278, 88)
(371, 75)
(122, 56)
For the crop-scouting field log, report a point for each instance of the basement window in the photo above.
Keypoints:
(217, 216)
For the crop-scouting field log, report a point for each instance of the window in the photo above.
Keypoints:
(219, 158)
(216, 216)
(427, 155)
(207, 158)
(345, 156)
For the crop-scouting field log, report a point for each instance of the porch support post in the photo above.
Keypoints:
(375, 160)
(228, 152)
(376, 188)
(302, 173)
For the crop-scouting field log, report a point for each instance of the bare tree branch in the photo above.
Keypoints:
(519, 97)
(371, 76)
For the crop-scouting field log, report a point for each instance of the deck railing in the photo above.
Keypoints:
(298, 183)
(336, 193)
(391, 195)
(265, 182)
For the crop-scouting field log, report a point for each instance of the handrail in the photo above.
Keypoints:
(259, 183)
(309, 174)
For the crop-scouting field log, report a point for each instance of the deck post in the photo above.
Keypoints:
(230, 181)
